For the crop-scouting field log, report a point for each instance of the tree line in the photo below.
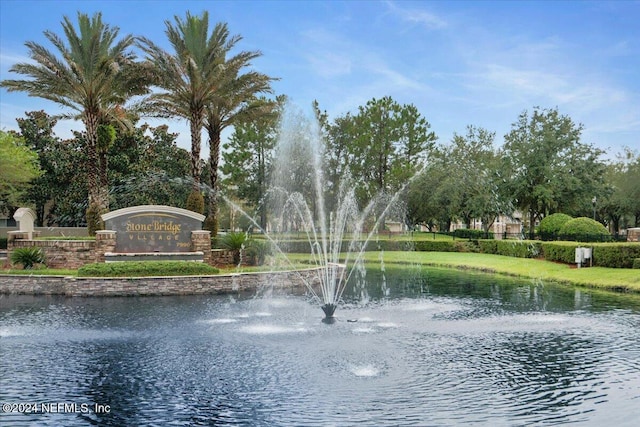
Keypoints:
(542, 166)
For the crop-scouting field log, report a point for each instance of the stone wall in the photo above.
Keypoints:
(60, 253)
(183, 285)
(51, 231)
(73, 254)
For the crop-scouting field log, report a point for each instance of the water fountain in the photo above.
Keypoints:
(297, 196)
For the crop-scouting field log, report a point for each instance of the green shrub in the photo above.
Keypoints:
(234, 242)
(195, 202)
(551, 225)
(257, 251)
(612, 255)
(518, 248)
(488, 246)
(584, 229)
(3, 242)
(94, 219)
(211, 224)
(467, 233)
(28, 257)
(636, 263)
(435, 246)
(560, 251)
(146, 268)
(615, 255)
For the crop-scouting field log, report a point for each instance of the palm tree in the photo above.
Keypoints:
(188, 79)
(235, 102)
(93, 75)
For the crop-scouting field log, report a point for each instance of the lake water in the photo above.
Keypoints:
(412, 347)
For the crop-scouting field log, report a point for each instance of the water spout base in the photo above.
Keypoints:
(328, 309)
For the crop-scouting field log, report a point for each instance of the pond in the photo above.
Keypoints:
(411, 347)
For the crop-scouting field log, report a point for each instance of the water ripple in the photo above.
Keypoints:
(208, 361)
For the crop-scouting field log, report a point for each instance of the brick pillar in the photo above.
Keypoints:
(105, 242)
(201, 242)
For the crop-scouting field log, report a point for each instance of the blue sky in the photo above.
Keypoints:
(460, 63)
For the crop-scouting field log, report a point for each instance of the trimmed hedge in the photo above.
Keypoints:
(636, 263)
(512, 248)
(519, 248)
(612, 255)
(560, 251)
(146, 268)
(468, 233)
(436, 246)
(615, 255)
(584, 229)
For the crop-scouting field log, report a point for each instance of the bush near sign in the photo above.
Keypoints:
(153, 228)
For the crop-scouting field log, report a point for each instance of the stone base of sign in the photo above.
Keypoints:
(74, 254)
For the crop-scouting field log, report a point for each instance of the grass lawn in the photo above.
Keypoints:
(41, 272)
(617, 279)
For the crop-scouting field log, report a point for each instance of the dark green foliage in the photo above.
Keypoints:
(611, 255)
(257, 251)
(3, 242)
(436, 246)
(146, 268)
(636, 263)
(560, 251)
(550, 225)
(94, 220)
(28, 257)
(195, 202)
(488, 246)
(234, 242)
(584, 229)
(513, 248)
(211, 224)
(106, 137)
(615, 255)
(468, 233)
(518, 248)
(547, 167)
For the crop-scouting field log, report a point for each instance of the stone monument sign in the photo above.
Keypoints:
(153, 228)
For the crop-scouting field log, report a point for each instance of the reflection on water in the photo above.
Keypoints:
(429, 348)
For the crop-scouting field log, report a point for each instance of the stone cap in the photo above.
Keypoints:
(152, 208)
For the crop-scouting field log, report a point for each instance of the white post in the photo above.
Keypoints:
(25, 218)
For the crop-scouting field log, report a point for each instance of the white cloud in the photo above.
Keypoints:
(420, 17)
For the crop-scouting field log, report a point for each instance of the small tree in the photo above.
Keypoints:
(18, 166)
